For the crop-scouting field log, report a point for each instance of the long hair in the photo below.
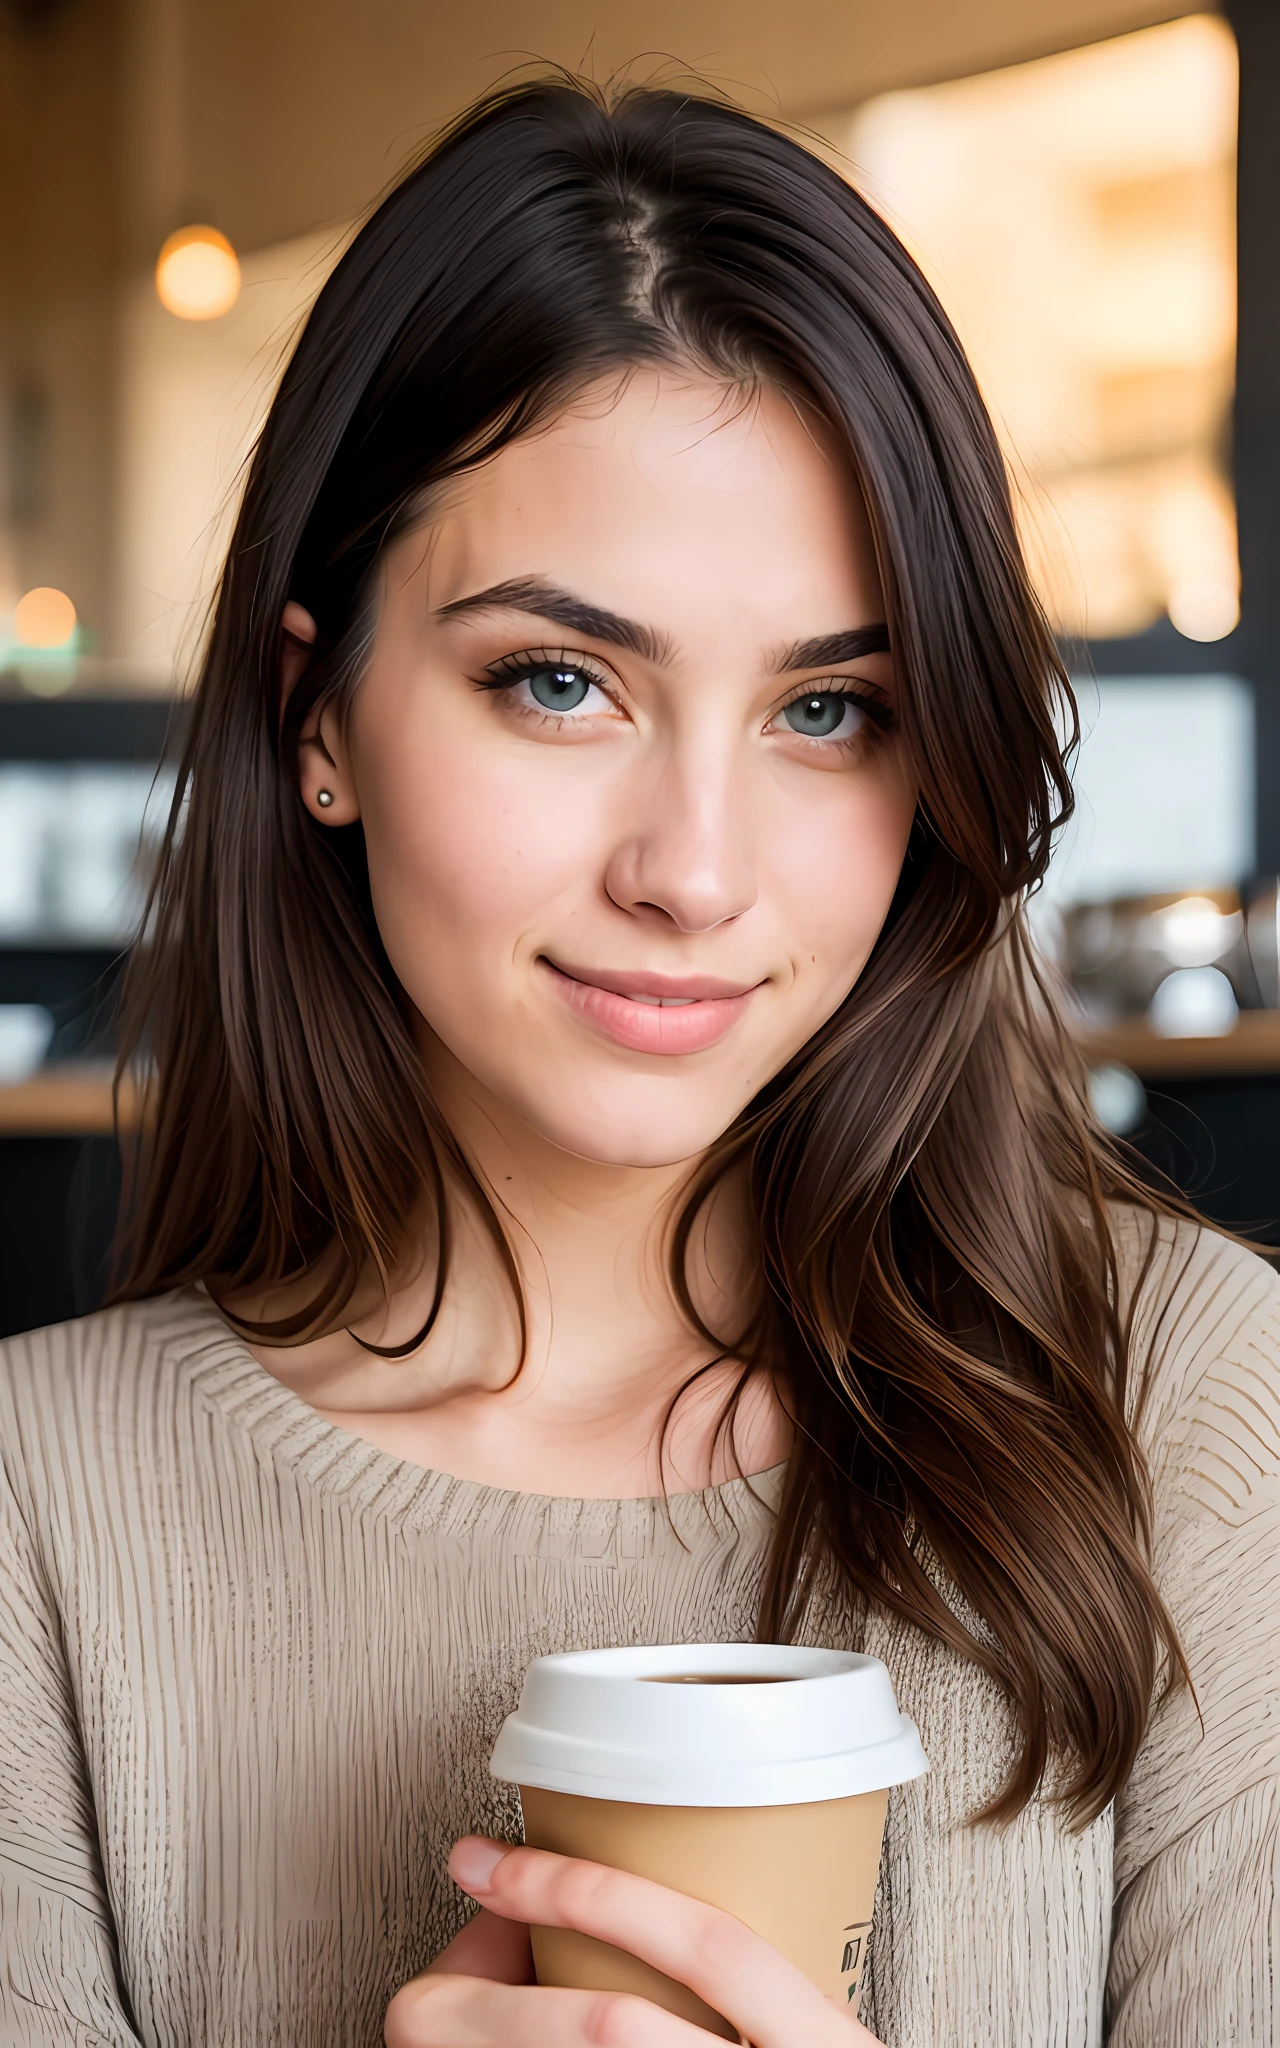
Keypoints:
(940, 1302)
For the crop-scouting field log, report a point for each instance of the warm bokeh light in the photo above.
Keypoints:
(1195, 931)
(44, 618)
(1203, 610)
(1076, 218)
(197, 274)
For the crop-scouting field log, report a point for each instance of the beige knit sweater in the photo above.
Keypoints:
(251, 1669)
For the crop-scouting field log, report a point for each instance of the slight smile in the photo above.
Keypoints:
(656, 1013)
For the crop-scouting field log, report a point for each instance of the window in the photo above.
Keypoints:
(1076, 217)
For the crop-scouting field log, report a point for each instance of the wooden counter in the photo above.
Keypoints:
(1252, 1047)
(75, 1101)
(66, 1102)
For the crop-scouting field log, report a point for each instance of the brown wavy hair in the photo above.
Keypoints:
(940, 1302)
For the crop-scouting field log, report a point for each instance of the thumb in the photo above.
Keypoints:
(488, 1946)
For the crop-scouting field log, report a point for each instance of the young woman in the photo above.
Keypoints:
(614, 1175)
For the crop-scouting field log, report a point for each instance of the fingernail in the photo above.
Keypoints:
(474, 1861)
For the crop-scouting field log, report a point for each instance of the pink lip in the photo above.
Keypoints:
(707, 1008)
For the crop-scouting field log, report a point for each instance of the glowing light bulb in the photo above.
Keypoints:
(44, 618)
(1193, 1002)
(1193, 932)
(1204, 610)
(197, 274)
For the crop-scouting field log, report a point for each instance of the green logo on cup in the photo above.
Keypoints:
(854, 1949)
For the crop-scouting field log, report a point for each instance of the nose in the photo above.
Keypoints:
(685, 853)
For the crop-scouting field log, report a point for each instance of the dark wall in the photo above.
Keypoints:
(57, 1210)
(1215, 1138)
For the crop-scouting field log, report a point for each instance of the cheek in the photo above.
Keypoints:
(835, 865)
(462, 848)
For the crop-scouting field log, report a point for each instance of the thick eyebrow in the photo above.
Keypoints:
(544, 600)
(829, 649)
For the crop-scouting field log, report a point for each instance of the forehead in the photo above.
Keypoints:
(665, 490)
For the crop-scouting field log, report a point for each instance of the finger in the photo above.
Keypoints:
(489, 1947)
(472, 2012)
(732, 1970)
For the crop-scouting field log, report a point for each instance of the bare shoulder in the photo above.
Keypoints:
(1204, 1348)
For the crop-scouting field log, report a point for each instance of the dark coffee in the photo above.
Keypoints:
(722, 1678)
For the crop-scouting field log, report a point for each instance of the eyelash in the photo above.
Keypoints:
(516, 668)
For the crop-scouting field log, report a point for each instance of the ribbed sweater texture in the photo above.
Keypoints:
(252, 1667)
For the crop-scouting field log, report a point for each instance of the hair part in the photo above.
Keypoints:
(930, 1195)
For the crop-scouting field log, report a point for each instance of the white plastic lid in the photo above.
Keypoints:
(588, 1723)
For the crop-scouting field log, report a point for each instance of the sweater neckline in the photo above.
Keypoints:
(283, 1424)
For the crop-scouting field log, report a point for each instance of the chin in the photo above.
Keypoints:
(629, 1133)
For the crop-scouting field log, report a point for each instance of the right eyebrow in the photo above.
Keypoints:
(830, 649)
(543, 600)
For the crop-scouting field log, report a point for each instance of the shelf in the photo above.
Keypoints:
(66, 1102)
(1253, 1047)
(75, 1100)
(140, 730)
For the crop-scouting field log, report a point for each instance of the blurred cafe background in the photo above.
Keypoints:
(1092, 185)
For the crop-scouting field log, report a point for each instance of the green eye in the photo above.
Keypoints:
(558, 689)
(817, 717)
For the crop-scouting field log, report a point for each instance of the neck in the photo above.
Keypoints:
(607, 1344)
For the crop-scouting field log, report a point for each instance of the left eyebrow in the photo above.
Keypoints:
(543, 600)
(829, 649)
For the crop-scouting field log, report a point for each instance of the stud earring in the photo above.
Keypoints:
(324, 797)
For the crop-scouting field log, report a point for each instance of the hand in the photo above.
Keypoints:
(479, 1994)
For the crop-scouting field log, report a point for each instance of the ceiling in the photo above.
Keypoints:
(299, 111)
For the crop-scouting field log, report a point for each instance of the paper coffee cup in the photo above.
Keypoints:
(751, 1776)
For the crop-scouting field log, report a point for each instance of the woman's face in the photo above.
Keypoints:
(633, 794)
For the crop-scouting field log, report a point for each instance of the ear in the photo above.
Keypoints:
(323, 766)
(297, 638)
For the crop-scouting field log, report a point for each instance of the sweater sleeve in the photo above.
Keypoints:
(1195, 1959)
(58, 1970)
